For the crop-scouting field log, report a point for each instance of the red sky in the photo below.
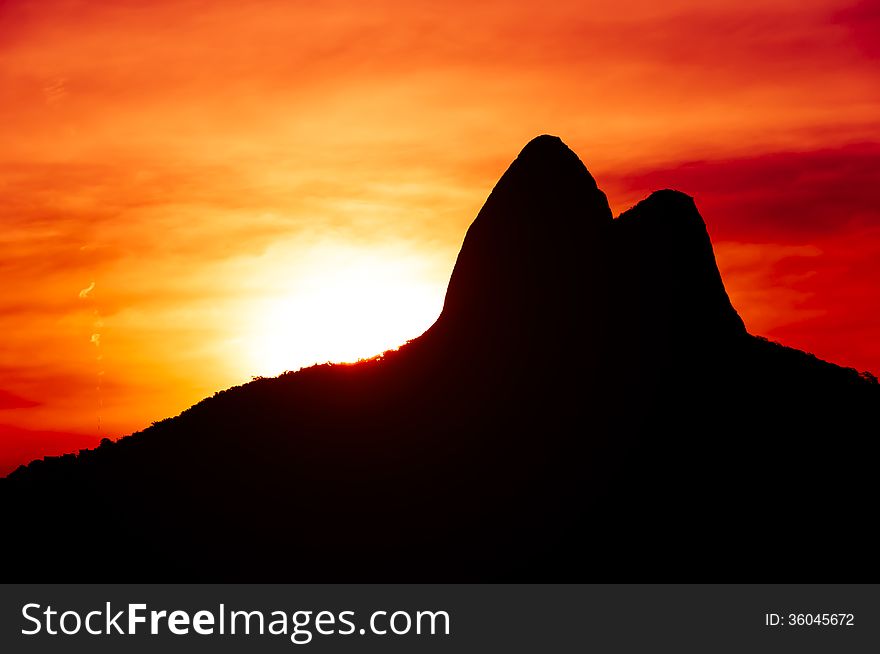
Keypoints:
(193, 193)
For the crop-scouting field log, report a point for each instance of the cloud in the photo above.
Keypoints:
(55, 90)
(862, 19)
(780, 197)
(10, 400)
(84, 293)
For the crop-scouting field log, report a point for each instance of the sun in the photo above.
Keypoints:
(343, 307)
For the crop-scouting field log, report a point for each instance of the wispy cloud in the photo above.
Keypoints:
(84, 293)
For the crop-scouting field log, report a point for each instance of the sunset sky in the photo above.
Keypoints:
(194, 193)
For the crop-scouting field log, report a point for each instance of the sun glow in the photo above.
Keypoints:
(350, 306)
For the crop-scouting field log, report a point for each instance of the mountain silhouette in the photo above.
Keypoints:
(588, 407)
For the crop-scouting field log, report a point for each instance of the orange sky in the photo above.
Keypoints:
(255, 186)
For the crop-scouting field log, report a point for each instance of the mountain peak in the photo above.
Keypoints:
(667, 269)
(547, 147)
(532, 247)
(675, 208)
(546, 167)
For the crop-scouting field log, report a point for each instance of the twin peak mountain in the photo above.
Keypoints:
(587, 407)
(544, 262)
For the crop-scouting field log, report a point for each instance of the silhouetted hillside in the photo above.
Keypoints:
(588, 407)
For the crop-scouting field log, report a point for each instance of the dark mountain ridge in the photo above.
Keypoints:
(587, 407)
